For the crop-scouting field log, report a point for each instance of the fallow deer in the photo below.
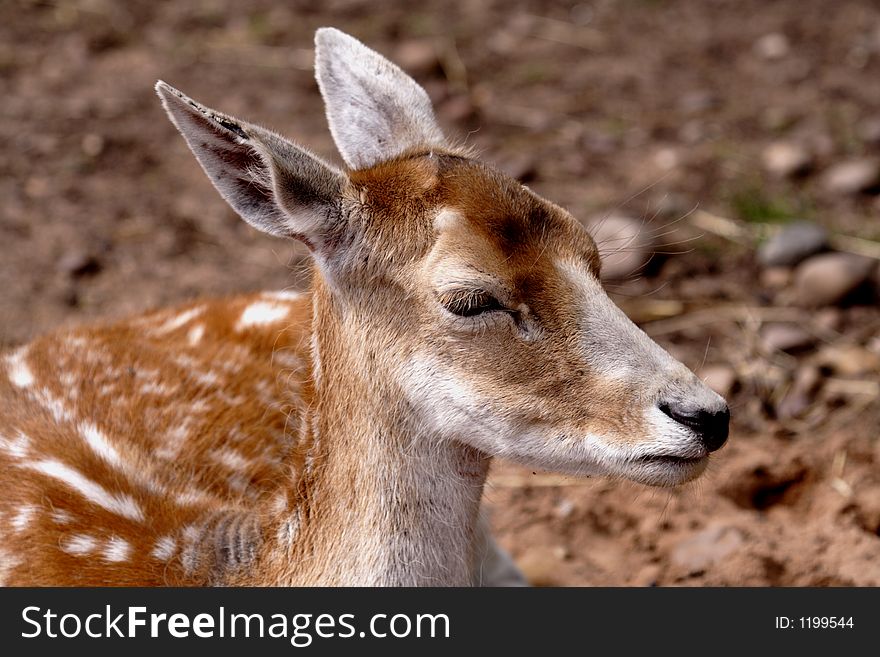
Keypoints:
(340, 436)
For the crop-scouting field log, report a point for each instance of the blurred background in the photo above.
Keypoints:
(726, 154)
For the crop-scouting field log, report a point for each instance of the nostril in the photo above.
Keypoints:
(711, 426)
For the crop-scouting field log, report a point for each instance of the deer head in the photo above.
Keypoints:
(468, 303)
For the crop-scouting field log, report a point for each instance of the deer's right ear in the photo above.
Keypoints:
(276, 186)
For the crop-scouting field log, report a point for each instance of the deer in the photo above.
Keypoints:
(340, 436)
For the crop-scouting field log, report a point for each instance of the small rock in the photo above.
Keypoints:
(794, 243)
(706, 548)
(78, 262)
(828, 278)
(776, 277)
(562, 553)
(848, 359)
(785, 160)
(853, 176)
(786, 337)
(625, 246)
(721, 378)
(92, 145)
(772, 46)
(564, 509)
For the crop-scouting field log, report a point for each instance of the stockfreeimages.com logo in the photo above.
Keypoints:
(299, 629)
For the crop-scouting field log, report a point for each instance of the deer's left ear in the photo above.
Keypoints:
(375, 110)
(275, 185)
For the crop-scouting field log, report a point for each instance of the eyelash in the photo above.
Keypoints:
(471, 302)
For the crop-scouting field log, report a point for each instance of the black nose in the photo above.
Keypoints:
(712, 427)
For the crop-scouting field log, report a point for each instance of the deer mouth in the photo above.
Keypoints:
(665, 470)
(671, 459)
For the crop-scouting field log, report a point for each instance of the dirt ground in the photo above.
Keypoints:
(660, 109)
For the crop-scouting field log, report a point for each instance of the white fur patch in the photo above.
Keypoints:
(79, 544)
(116, 549)
(174, 323)
(61, 517)
(120, 504)
(22, 518)
(18, 448)
(19, 372)
(283, 295)
(232, 459)
(261, 313)
(195, 335)
(164, 548)
(99, 444)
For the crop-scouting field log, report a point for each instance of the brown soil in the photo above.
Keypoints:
(645, 106)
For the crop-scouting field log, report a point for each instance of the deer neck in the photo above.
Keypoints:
(382, 500)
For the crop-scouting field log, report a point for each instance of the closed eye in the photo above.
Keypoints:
(469, 302)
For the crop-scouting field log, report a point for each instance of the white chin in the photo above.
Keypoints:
(663, 471)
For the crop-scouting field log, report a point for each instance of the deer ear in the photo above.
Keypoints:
(375, 110)
(276, 186)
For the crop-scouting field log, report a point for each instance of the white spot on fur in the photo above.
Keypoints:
(18, 448)
(61, 517)
(8, 563)
(195, 335)
(121, 504)
(164, 548)
(174, 323)
(157, 389)
(23, 518)
(261, 313)
(208, 378)
(99, 444)
(79, 544)
(51, 403)
(231, 459)
(116, 549)
(283, 295)
(288, 530)
(19, 372)
(279, 504)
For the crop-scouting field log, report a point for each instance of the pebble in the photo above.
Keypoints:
(78, 262)
(721, 378)
(625, 246)
(786, 160)
(774, 45)
(786, 337)
(852, 176)
(564, 508)
(827, 278)
(706, 548)
(794, 243)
